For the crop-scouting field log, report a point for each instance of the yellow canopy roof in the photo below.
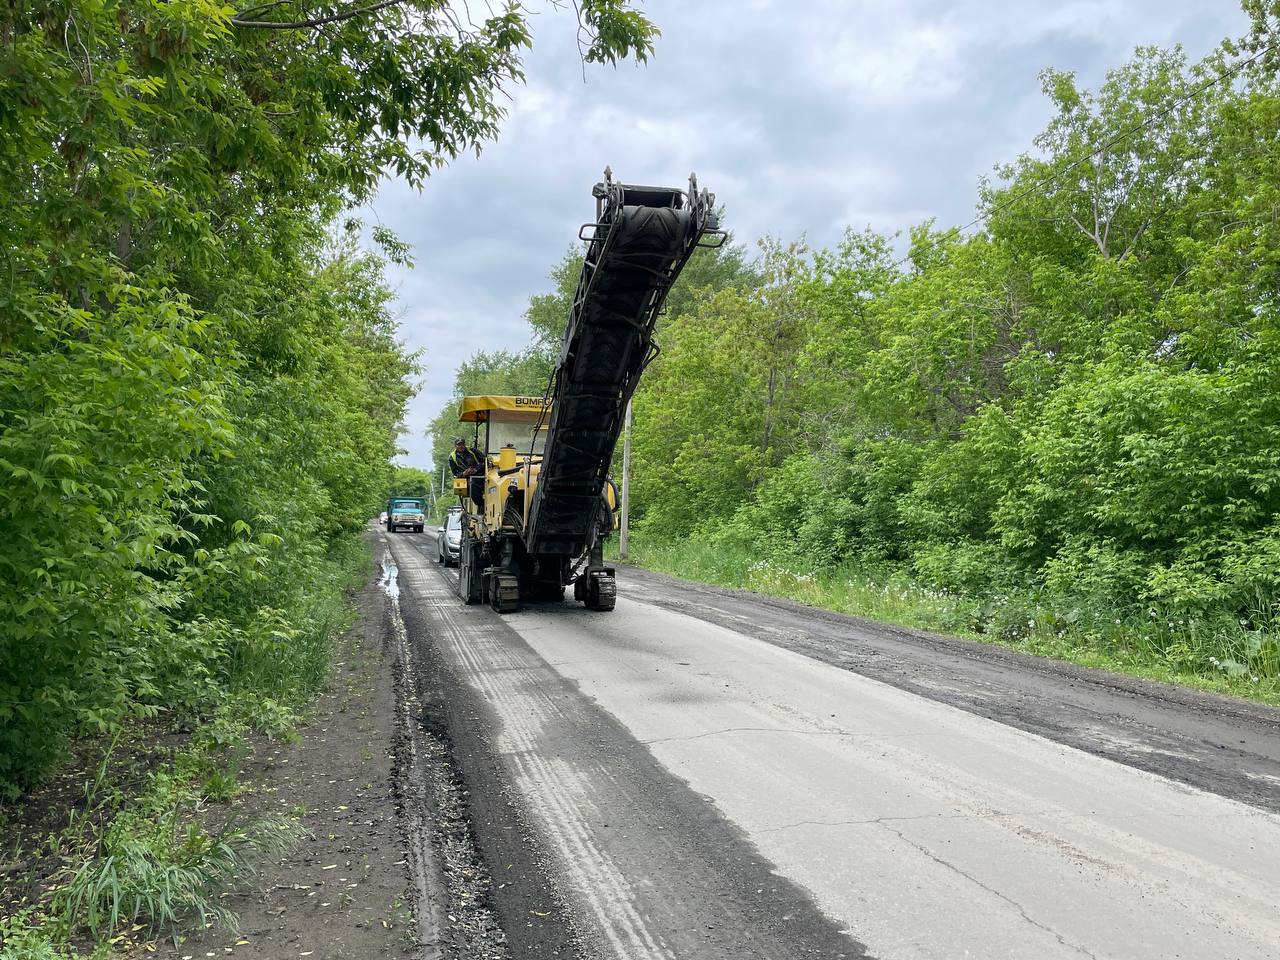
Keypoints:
(517, 409)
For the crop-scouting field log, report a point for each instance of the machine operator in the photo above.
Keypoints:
(464, 463)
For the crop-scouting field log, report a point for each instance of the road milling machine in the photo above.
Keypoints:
(536, 520)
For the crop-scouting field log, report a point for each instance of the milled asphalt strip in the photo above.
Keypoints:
(649, 869)
(549, 781)
(429, 908)
(451, 883)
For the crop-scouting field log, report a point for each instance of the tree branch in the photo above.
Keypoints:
(317, 22)
(262, 8)
(1136, 237)
(1088, 233)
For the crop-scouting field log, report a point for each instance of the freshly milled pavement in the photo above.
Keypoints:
(693, 789)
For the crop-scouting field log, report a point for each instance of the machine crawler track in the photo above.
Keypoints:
(504, 592)
(602, 593)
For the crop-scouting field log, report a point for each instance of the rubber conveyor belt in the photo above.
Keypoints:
(642, 239)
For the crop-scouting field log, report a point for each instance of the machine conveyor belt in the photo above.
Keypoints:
(642, 238)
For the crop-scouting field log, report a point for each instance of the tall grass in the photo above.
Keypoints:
(164, 874)
(161, 858)
(1240, 657)
(167, 853)
(280, 660)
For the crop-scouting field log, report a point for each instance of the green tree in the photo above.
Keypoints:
(719, 405)
(412, 482)
(1077, 403)
(200, 381)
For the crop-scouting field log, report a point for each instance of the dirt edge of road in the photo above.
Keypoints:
(391, 867)
(345, 891)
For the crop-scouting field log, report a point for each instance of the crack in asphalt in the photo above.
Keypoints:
(573, 663)
(994, 892)
(883, 820)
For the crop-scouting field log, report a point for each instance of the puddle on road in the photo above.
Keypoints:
(390, 581)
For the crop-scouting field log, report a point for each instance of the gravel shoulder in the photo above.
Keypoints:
(392, 867)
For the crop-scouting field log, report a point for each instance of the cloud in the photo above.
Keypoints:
(803, 117)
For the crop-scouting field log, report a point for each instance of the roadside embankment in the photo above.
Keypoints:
(179, 838)
(345, 890)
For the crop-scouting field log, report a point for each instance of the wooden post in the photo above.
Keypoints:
(626, 485)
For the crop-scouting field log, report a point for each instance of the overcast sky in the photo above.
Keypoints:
(803, 117)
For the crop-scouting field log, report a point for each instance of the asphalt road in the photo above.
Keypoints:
(707, 773)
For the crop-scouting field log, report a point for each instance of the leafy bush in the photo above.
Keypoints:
(200, 380)
(22, 939)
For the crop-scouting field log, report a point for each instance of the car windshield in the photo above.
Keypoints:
(407, 505)
(453, 522)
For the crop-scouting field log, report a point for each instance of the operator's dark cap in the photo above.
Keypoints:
(457, 440)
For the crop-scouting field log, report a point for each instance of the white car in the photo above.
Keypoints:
(449, 538)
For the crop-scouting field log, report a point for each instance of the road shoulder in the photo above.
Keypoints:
(346, 891)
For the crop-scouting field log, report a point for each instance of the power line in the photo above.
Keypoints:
(1106, 145)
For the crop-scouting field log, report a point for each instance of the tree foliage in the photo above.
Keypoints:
(1079, 402)
(200, 381)
(411, 482)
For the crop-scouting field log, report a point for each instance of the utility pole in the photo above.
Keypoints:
(626, 485)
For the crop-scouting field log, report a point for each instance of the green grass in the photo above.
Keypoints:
(153, 862)
(1223, 656)
(164, 872)
(156, 860)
